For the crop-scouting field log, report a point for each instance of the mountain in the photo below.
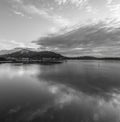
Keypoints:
(36, 55)
(3, 59)
(46, 57)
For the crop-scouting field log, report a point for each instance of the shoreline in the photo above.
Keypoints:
(58, 61)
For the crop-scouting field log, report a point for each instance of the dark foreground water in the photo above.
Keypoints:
(74, 91)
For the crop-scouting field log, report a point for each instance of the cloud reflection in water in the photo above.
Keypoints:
(35, 98)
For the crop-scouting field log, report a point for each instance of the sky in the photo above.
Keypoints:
(71, 27)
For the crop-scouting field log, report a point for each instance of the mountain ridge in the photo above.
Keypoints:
(26, 53)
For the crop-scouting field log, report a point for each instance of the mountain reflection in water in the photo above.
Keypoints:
(75, 91)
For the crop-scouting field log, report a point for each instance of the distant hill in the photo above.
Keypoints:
(26, 53)
(29, 55)
(3, 59)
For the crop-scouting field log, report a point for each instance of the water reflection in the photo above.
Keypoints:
(69, 92)
(12, 70)
(93, 77)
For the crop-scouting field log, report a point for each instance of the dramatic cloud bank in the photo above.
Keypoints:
(97, 40)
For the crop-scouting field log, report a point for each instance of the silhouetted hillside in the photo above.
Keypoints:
(3, 59)
(25, 53)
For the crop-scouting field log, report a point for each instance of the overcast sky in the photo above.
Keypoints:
(23, 21)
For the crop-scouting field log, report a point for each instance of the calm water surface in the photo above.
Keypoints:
(74, 91)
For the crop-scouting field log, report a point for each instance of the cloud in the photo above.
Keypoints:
(31, 9)
(80, 5)
(18, 1)
(77, 3)
(19, 13)
(16, 43)
(109, 1)
(98, 39)
(55, 18)
(115, 10)
(22, 44)
(10, 44)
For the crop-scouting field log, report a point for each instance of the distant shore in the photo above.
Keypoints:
(59, 61)
(44, 57)
(93, 58)
(34, 61)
